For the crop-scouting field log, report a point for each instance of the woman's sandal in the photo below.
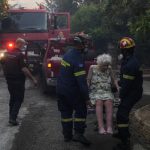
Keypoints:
(109, 131)
(103, 132)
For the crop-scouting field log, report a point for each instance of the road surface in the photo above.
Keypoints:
(40, 127)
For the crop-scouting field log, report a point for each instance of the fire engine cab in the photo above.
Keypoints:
(37, 27)
(47, 35)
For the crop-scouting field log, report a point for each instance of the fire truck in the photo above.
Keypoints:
(53, 56)
(37, 27)
(48, 37)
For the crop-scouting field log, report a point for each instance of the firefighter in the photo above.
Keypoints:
(73, 94)
(15, 70)
(131, 80)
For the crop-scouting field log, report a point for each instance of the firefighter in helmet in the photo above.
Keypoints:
(131, 80)
(72, 93)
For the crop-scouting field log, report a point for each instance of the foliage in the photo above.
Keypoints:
(67, 6)
(85, 18)
(109, 20)
(3, 8)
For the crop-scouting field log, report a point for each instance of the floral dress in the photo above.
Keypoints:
(100, 87)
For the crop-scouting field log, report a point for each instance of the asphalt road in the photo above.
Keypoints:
(40, 127)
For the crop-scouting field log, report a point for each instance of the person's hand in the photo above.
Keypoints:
(117, 86)
(118, 89)
(35, 82)
(110, 67)
(89, 104)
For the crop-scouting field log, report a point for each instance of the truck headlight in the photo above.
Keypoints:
(2, 55)
(49, 65)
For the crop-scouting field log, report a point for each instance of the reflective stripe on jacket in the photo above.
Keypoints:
(131, 78)
(72, 78)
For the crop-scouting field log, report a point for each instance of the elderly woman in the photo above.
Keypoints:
(100, 78)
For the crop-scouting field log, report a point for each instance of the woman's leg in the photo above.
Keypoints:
(99, 114)
(109, 114)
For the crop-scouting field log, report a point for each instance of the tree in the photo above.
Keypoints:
(139, 24)
(85, 18)
(109, 20)
(51, 5)
(62, 5)
(3, 8)
(69, 5)
(93, 1)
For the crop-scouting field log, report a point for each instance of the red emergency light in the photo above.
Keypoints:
(10, 45)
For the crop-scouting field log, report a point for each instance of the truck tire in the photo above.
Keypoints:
(47, 90)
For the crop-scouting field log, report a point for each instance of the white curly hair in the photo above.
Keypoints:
(104, 59)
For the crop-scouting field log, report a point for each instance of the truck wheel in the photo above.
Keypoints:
(47, 90)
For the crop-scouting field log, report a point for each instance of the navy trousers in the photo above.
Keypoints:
(123, 112)
(73, 115)
(16, 90)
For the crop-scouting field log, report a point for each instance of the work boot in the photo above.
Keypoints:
(116, 135)
(122, 146)
(13, 122)
(67, 138)
(80, 138)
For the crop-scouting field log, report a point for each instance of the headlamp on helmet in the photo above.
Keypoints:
(78, 40)
(126, 43)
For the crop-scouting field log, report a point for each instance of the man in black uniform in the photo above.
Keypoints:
(131, 80)
(15, 71)
(72, 93)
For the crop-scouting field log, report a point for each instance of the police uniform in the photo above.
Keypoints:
(12, 64)
(72, 93)
(131, 80)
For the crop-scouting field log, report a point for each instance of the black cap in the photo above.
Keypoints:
(78, 40)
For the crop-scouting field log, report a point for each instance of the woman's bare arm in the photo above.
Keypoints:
(89, 76)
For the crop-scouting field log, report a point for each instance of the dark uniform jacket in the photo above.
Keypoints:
(12, 64)
(72, 79)
(131, 78)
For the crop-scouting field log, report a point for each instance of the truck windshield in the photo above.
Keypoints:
(24, 22)
(60, 22)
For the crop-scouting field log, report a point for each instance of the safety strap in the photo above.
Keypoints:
(123, 125)
(79, 119)
(66, 119)
(64, 63)
(79, 73)
(128, 77)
